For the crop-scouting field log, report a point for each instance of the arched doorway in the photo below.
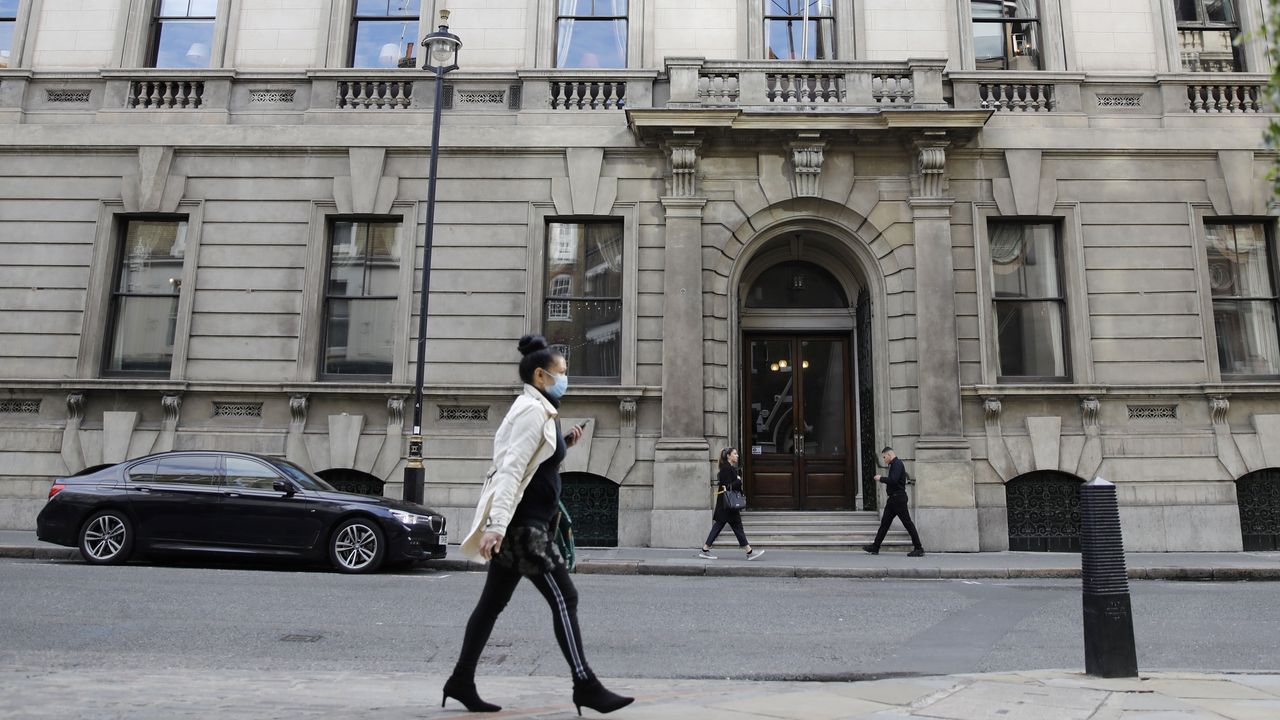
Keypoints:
(1044, 512)
(353, 481)
(592, 502)
(1258, 497)
(804, 377)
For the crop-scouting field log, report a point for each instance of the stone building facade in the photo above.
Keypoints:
(1022, 242)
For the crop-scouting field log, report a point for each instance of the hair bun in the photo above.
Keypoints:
(531, 344)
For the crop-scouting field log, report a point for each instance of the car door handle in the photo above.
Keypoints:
(231, 494)
(141, 488)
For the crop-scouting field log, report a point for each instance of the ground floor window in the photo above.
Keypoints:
(353, 481)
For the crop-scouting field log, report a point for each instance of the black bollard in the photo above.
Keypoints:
(1108, 615)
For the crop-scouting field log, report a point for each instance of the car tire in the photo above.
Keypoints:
(106, 538)
(357, 546)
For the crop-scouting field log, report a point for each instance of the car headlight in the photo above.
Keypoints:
(409, 518)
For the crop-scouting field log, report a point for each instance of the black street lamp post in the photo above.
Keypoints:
(442, 56)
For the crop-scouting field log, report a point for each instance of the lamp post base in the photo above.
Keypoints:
(414, 478)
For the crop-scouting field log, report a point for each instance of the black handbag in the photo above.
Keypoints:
(735, 500)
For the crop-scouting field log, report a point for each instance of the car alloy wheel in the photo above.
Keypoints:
(107, 538)
(357, 547)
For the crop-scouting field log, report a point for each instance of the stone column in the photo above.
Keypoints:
(681, 473)
(946, 510)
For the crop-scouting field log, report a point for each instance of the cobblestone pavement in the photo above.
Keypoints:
(101, 693)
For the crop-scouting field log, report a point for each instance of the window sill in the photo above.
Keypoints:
(1267, 387)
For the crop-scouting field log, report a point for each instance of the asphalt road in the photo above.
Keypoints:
(146, 618)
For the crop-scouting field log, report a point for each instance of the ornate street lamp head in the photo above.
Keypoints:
(442, 47)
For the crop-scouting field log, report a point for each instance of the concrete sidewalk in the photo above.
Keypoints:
(249, 695)
(832, 564)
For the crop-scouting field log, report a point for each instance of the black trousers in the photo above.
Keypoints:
(560, 595)
(718, 525)
(897, 507)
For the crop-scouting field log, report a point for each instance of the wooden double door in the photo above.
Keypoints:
(798, 409)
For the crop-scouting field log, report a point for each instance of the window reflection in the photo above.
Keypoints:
(591, 34)
(385, 34)
(1028, 303)
(182, 33)
(1006, 34)
(362, 299)
(145, 298)
(582, 311)
(799, 29)
(8, 21)
(1242, 283)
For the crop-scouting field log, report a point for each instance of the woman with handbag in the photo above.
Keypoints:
(729, 503)
(512, 531)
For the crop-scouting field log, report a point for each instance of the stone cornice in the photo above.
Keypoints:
(580, 389)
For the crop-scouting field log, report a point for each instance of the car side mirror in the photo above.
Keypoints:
(283, 486)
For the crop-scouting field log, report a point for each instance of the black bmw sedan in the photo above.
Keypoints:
(221, 502)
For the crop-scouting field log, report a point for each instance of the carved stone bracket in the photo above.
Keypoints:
(298, 411)
(991, 408)
(931, 149)
(684, 166)
(172, 407)
(1218, 407)
(75, 408)
(806, 161)
(395, 411)
(1089, 414)
(627, 412)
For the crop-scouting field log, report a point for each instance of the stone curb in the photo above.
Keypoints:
(710, 569)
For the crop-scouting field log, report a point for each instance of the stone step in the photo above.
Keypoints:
(889, 545)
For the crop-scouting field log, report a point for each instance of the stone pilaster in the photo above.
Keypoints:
(681, 467)
(945, 502)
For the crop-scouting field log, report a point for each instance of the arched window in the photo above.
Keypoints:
(353, 481)
(796, 284)
(592, 502)
(1044, 512)
(1258, 496)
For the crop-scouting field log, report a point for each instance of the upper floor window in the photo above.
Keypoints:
(144, 300)
(1006, 34)
(1207, 35)
(1028, 302)
(582, 312)
(591, 34)
(1242, 281)
(8, 21)
(799, 29)
(361, 300)
(385, 33)
(182, 33)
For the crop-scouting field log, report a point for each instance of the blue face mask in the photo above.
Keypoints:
(557, 390)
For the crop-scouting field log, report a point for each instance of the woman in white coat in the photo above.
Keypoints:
(511, 530)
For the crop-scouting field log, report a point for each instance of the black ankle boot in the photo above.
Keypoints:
(591, 694)
(464, 691)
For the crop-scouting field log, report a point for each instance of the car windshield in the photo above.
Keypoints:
(303, 478)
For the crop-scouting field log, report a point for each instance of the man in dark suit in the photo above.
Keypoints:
(896, 506)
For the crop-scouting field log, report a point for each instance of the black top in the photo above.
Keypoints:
(896, 483)
(729, 478)
(541, 498)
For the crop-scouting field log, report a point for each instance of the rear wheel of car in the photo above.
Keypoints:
(357, 546)
(107, 538)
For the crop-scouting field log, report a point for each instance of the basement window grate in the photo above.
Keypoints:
(237, 409)
(301, 638)
(463, 413)
(1153, 413)
(20, 406)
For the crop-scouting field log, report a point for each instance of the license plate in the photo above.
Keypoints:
(444, 538)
